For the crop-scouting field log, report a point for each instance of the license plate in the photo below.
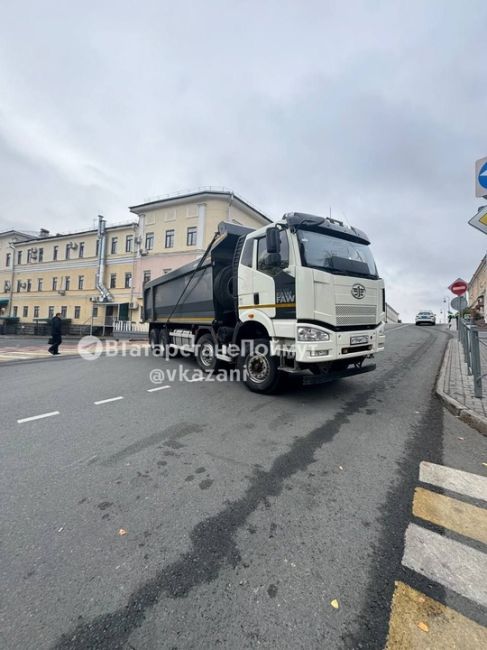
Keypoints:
(359, 340)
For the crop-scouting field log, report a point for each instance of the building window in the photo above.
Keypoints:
(36, 311)
(191, 236)
(129, 243)
(169, 239)
(146, 277)
(149, 241)
(8, 259)
(29, 285)
(55, 252)
(16, 311)
(113, 280)
(29, 256)
(81, 282)
(128, 280)
(81, 252)
(67, 283)
(64, 312)
(114, 245)
(25, 312)
(40, 284)
(54, 284)
(68, 251)
(6, 286)
(95, 312)
(50, 312)
(77, 312)
(97, 248)
(19, 283)
(19, 257)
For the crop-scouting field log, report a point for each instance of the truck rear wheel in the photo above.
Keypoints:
(259, 370)
(206, 353)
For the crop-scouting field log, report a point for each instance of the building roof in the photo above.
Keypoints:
(479, 268)
(75, 233)
(200, 193)
(12, 233)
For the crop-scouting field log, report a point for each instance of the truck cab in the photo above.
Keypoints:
(313, 285)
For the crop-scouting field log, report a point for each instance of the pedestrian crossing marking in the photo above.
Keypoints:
(9, 357)
(453, 565)
(417, 622)
(413, 612)
(470, 485)
(463, 518)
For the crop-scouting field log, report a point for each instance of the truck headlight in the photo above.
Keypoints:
(312, 334)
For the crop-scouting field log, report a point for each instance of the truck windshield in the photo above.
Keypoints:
(335, 255)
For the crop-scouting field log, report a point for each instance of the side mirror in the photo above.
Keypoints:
(273, 241)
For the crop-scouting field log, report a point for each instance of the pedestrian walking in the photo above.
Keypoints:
(56, 339)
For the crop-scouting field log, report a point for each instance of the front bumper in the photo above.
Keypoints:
(339, 346)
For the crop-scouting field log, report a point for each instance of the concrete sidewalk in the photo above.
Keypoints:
(455, 386)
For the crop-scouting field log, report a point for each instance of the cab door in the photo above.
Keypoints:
(274, 285)
(264, 296)
(246, 275)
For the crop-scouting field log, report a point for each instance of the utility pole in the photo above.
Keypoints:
(11, 296)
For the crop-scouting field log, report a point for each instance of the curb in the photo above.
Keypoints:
(471, 418)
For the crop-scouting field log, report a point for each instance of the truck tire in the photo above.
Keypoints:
(259, 370)
(206, 353)
(224, 287)
(154, 342)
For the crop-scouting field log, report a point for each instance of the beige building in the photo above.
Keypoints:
(392, 316)
(477, 288)
(8, 240)
(97, 276)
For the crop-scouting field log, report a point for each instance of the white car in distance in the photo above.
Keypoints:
(425, 317)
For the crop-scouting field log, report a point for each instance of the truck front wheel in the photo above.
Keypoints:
(259, 370)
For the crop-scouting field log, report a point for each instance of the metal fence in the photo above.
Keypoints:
(468, 335)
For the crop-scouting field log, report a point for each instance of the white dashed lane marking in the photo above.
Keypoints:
(152, 390)
(105, 401)
(38, 417)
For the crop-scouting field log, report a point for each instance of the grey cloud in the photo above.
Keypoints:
(375, 109)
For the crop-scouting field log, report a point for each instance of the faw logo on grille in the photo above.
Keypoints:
(358, 291)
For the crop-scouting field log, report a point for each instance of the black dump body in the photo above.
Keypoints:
(201, 291)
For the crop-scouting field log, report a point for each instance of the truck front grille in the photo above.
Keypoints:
(356, 314)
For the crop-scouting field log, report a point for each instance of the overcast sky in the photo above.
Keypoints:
(375, 109)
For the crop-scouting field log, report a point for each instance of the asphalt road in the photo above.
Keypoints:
(204, 516)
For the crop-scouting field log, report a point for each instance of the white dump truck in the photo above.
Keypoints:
(301, 296)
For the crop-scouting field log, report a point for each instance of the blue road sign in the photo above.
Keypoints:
(482, 178)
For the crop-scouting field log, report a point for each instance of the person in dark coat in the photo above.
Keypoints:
(55, 339)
